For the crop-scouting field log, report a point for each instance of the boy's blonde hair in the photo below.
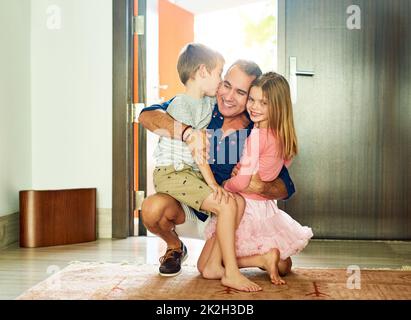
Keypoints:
(192, 56)
(276, 90)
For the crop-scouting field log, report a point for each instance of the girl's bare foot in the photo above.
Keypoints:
(213, 272)
(240, 282)
(271, 260)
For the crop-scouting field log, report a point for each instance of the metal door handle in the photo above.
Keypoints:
(305, 73)
(161, 86)
(294, 73)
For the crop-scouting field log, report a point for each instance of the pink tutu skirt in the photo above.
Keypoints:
(264, 227)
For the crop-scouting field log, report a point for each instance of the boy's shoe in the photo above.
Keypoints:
(170, 263)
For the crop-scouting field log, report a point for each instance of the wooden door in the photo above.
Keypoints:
(139, 97)
(353, 117)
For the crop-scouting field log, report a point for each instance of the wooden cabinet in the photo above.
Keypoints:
(57, 217)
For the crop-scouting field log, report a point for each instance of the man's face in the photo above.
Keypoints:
(233, 92)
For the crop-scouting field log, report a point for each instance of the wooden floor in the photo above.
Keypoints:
(20, 268)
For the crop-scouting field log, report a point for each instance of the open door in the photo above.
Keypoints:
(349, 67)
(122, 193)
(139, 98)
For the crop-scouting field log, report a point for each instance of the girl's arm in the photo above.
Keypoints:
(248, 163)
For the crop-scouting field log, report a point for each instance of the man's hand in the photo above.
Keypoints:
(235, 171)
(199, 146)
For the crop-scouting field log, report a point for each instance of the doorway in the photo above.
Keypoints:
(237, 29)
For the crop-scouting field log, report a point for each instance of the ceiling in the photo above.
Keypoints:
(202, 6)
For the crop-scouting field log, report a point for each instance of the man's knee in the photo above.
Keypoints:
(159, 207)
(152, 210)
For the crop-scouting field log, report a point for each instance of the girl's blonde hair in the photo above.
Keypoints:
(276, 90)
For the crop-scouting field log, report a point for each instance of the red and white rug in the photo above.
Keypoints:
(101, 281)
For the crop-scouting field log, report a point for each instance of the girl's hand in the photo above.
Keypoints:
(220, 193)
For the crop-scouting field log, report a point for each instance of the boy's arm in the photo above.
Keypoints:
(207, 174)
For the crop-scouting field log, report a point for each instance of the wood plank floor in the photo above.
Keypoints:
(21, 269)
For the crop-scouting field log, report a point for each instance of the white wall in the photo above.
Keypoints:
(15, 123)
(71, 84)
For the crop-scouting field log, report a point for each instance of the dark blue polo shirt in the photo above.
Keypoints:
(224, 154)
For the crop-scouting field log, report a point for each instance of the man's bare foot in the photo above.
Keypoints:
(240, 282)
(213, 272)
(271, 260)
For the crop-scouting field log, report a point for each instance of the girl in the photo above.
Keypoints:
(271, 144)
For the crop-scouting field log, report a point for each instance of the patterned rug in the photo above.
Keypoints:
(101, 281)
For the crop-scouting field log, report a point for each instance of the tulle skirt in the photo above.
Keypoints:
(264, 227)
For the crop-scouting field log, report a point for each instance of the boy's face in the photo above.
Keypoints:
(213, 80)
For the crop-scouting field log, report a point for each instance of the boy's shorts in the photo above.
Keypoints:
(185, 185)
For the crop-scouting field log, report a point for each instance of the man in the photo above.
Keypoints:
(160, 212)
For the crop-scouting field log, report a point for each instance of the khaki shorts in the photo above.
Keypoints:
(185, 185)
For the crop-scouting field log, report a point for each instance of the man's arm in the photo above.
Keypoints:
(161, 123)
(274, 190)
(282, 188)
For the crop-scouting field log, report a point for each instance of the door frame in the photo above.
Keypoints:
(281, 38)
(123, 98)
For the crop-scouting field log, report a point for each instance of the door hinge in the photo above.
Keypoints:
(138, 199)
(138, 25)
(136, 109)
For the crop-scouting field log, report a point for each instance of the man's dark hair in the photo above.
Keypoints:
(250, 68)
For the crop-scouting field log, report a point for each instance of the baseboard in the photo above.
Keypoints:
(9, 230)
(104, 223)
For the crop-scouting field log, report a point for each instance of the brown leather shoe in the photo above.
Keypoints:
(170, 263)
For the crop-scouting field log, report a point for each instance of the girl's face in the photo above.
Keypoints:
(257, 107)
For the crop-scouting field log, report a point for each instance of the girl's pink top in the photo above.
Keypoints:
(262, 154)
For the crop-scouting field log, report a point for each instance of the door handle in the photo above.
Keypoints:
(161, 86)
(294, 73)
(305, 73)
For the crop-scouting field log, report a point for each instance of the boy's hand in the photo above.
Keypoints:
(220, 193)
(199, 146)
